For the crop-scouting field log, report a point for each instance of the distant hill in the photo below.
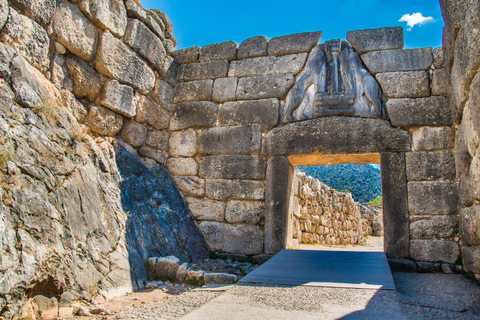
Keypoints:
(363, 181)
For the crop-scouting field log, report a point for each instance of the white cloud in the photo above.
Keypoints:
(415, 19)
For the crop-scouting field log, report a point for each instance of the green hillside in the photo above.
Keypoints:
(363, 181)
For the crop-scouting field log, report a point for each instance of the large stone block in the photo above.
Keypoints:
(292, 63)
(151, 113)
(182, 166)
(4, 10)
(239, 239)
(263, 112)
(218, 189)
(41, 11)
(244, 139)
(412, 84)
(134, 10)
(470, 225)
(225, 89)
(440, 83)
(204, 209)
(200, 114)
(107, 14)
(74, 31)
(151, 153)
(190, 186)
(104, 121)
(163, 16)
(233, 167)
(432, 198)
(219, 51)
(116, 60)
(249, 212)
(134, 133)
(253, 47)
(398, 60)
(433, 227)
(432, 138)
(183, 143)
(268, 66)
(163, 94)
(158, 140)
(434, 250)
(119, 98)
(86, 81)
(471, 259)
(200, 90)
(248, 190)
(204, 70)
(427, 166)
(433, 111)
(274, 86)
(187, 55)
(169, 71)
(376, 39)
(293, 43)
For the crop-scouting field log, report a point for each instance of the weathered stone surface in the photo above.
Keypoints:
(131, 69)
(436, 227)
(152, 23)
(274, 86)
(249, 212)
(219, 51)
(268, 66)
(204, 209)
(253, 47)
(398, 60)
(427, 166)
(104, 121)
(440, 83)
(182, 166)
(233, 167)
(432, 138)
(187, 55)
(151, 113)
(204, 70)
(376, 39)
(220, 278)
(28, 38)
(134, 133)
(41, 11)
(471, 259)
(158, 140)
(434, 250)
(162, 268)
(134, 10)
(244, 139)
(335, 135)
(438, 60)
(470, 225)
(433, 111)
(263, 112)
(148, 152)
(183, 143)
(225, 89)
(240, 239)
(219, 189)
(293, 43)
(119, 98)
(78, 110)
(190, 186)
(199, 114)
(87, 82)
(432, 198)
(74, 31)
(200, 90)
(4, 10)
(248, 190)
(107, 14)
(163, 94)
(166, 21)
(145, 43)
(413, 84)
(170, 71)
(293, 63)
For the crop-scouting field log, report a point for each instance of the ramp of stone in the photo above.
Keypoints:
(341, 269)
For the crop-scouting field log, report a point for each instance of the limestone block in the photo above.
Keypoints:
(260, 66)
(218, 189)
(233, 167)
(220, 278)
(163, 268)
(199, 114)
(163, 94)
(204, 209)
(134, 133)
(248, 190)
(433, 111)
(432, 198)
(238, 239)
(158, 140)
(169, 46)
(225, 89)
(273, 86)
(154, 26)
(440, 83)
(87, 82)
(438, 58)
(200, 90)
(204, 70)
(244, 139)
(130, 69)
(219, 51)
(76, 108)
(182, 166)
(249, 212)
(398, 60)
(183, 143)
(28, 38)
(4, 11)
(74, 31)
(119, 98)
(190, 186)
(412, 84)
(41, 11)
(471, 259)
(263, 112)
(169, 71)
(148, 152)
(293, 43)
(151, 113)
(434, 250)
(427, 166)
(107, 14)
(166, 21)
(470, 225)
(143, 41)
(134, 10)
(432, 138)
(187, 55)
(433, 227)
(292, 63)
(104, 121)
(367, 40)
(253, 47)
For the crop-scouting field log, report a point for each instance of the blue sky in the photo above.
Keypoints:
(204, 22)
